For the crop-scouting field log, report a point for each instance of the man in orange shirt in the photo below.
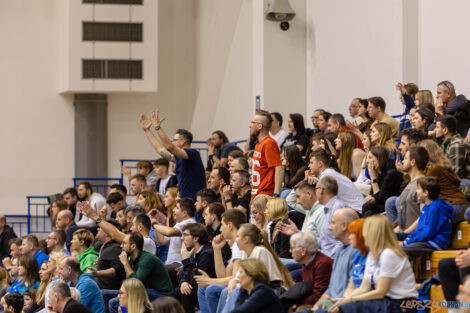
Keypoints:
(267, 167)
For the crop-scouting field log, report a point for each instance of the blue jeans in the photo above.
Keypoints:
(113, 304)
(208, 298)
(226, 307)
(391, 208)
(108, 294)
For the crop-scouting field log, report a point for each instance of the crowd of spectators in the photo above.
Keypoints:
(320, 218)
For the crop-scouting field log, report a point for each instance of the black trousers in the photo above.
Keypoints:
(451, 277)
(190, 301)
(418, 249)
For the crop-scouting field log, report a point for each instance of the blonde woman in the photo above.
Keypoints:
(45, 276)
(133, 297)
(258, 209)
(277, 212)
(423, 96)
(350, 157)
(388, 278)
(256, 296)
(381, 135)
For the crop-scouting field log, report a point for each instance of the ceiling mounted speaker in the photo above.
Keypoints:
(279, 11)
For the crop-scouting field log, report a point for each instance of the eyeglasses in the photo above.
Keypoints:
(120, 293)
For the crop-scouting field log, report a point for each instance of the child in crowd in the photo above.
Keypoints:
(434, 225)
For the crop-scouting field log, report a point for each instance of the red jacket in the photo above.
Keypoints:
(358, 140)
(318, 274)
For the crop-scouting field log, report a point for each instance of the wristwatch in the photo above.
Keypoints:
(99, 220)
(157, 127)
(276, 195)
(374, 180)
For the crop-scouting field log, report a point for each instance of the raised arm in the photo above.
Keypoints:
(89, 212)
(159, 148)
(167, 143)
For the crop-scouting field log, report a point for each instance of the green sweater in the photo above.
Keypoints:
(151, 272)
(87, 259)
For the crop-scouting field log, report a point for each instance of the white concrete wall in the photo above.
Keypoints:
(355, 51)
(444, 45)
(37, 123)
(285, 67)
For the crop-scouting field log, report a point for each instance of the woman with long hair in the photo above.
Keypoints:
(297, 135)
(56, 207)
(46, 277)
(169, 200)
(441, 167)
(28, 269)
(277, 212)
(294, 166)
(385, 180)
(258, 209)
(388, 278)
(256, 296)
(381, 135)
(350, 158)
(254, 243)
(153, 205)
(359, 262)
(133, 297)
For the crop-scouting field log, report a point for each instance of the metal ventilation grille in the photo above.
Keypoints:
(112, 69)
(100, 31)
(113, 1)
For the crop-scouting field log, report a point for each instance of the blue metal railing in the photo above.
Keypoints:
(19, 223)
(37, 219)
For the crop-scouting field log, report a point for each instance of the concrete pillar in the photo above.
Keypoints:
(91, 135)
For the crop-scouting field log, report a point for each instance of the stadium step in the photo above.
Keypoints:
(460, 236)
(426, 267)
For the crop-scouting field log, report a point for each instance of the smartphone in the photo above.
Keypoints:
(327, 304)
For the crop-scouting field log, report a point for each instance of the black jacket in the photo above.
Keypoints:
(261, 300)
(203, 260)
(7, 234)
(280, 244)
(109, 258)
(73, 306)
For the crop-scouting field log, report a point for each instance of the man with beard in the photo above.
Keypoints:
(267, 167)
(71, 197)
(143, 266)
(220, 148)
(85, 193)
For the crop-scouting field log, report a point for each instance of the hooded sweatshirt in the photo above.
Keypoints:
(434, 225)
(87, 259)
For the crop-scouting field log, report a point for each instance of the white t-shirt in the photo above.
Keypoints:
(174, 251)
(263, 254)
(163, 183)
(149, 246)
(280, 136)
(236, 252)
(393, 266)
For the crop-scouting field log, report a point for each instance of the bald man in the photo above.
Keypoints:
(344, 255)
(6, 234)
(65, 222)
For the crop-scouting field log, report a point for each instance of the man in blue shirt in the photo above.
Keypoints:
(90, 294)
(189, 168)
(30, 245)
(326, 190)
